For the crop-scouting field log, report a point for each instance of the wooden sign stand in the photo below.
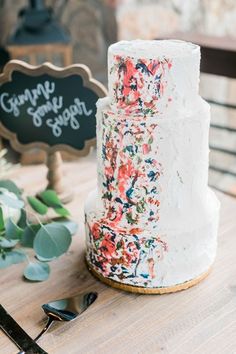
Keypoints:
(49, 108)
(55, 177)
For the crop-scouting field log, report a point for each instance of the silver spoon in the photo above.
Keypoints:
(65, 310)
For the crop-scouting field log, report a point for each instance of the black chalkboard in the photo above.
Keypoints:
(48, 107)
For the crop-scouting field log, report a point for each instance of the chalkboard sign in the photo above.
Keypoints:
(49, 107)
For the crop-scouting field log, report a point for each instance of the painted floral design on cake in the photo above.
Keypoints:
(122, 256)
(120, 246)
(139, 84)
(130, 171)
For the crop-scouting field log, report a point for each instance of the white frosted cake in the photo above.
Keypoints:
(152, 221)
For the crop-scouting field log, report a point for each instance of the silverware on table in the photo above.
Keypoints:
(14, 331)
(65, 310)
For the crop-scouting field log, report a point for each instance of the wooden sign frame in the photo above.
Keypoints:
(57, 72)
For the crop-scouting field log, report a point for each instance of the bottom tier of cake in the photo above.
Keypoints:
(151, 259)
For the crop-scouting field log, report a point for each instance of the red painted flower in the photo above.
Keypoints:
(95, 230)
(130, 253)
(108, 247)
(125, 172)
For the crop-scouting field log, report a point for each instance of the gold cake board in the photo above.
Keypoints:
(143, 290)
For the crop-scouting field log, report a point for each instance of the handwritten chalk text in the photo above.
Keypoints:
(13, 104)
(68, 117)
(52, 112)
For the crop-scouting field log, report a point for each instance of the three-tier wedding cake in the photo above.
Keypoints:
(152, 222)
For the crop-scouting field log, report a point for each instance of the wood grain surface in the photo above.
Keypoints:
(201, 319)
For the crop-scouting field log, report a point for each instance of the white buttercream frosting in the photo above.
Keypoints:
(181, 146)
(153, 219)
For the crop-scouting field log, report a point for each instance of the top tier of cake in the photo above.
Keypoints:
(152, 77)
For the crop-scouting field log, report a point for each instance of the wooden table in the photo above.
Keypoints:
(199, 320)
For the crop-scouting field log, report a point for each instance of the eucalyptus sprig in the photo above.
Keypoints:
(49, 240)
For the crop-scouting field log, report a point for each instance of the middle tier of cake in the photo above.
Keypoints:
(151, 168)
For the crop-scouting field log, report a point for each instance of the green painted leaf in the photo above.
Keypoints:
(10, 186)
(11, 202)
(13, 232)
(5, 243)
(37, 205)
(69, 224)
(2, 224)
(50, 198)
(12, 257)
(37, 271)
(150, 140)
(28, 236)
(52, 240)
(62, 211)
(130, 218)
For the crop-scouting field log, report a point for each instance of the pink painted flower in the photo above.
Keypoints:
(169, 65)
(108, 171)
(146, 149)
(133, 97)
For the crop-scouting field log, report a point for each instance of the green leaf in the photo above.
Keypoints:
(42, 259)
(2, 224)
(37, 205)
(28, 236)
(62, 211)
(11, 202)
(5, 243)
(11, 257)
(37, 271)
(52, 240)
(50, 198)
(10, 186)
(22, 223)
(13, 232)
(69, 224)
